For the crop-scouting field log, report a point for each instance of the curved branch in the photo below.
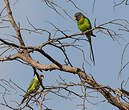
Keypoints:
(11, 19)
(111, 99)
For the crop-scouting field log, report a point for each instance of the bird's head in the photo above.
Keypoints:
(41, 77)
(77, 16)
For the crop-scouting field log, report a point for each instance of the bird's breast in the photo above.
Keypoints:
(83, 27)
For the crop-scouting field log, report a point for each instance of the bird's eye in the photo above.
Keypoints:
(79, 17)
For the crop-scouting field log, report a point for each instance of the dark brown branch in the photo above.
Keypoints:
(111, 99)
(56, 65)
(35, 73)
(63, 50)
(50, 58)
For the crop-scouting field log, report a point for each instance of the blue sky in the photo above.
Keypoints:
(107, 52)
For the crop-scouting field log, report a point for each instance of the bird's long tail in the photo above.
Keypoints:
(92, 53)
(25, 96)
(23, 100)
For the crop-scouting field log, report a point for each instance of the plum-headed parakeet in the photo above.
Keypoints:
(84, 24)
(33, 87)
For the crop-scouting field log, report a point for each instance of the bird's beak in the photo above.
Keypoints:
(75, 18)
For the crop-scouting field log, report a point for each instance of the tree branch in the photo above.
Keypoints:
(12, 21)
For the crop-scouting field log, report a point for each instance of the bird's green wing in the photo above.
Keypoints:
(33, 87)
(30, 85)
(89, 26)
(87, 21)
(84, 24)
(27, 92)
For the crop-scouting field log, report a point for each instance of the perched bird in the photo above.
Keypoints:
(84, 24)
(33, 87)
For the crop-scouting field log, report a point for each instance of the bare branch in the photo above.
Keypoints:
(120, 3)
(122, 58)
(14, 23)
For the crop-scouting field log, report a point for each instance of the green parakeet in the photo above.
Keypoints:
(33, 87)
(84, 24)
